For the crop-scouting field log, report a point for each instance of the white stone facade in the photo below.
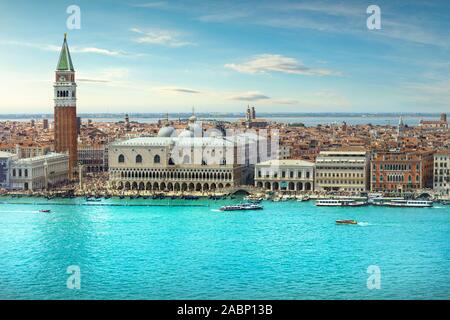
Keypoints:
(285, 175)
(164, 163)
(5, 168)
(39, 172)
(346, 171)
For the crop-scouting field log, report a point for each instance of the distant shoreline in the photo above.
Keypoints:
(158, 115)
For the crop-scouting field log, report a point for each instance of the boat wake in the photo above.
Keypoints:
(215, 210)
(363, 224)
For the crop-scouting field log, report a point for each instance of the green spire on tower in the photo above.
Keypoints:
(65, 61)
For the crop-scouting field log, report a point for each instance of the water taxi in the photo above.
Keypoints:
(346, 222)
(241, 207)
(340, 203)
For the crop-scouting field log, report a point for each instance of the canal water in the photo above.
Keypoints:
(179, 249)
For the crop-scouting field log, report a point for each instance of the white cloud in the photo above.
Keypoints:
(166, 89)
(327, 8)
(249, 96)
(152, 5)
(107, 75)
(222, 17)
(167, 38)
(73, 49)
(94, 50)
(277, 63)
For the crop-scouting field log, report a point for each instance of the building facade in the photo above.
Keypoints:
(39, 173)
(93, 157)
(442, 123)
(150, 164)
(5, 168)
(188, 161)
(441, 183)
(285, 175)
(284, 152)
(65, 113)
(27, 149)
(342, 170)
(399, 171)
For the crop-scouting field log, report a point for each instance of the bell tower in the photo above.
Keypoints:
(65, 114)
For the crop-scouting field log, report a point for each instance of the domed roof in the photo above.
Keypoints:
(186, 133)
(192, 118)
(166, 131)
(195, 128)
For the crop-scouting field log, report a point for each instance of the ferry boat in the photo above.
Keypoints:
(340, 203)
(406, 203)
(346, 222)
(241, 207)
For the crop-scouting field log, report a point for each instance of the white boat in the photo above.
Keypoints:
(241, 207)
(407, 203)
(340, 203)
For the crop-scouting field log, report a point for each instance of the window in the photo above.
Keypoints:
(138, 158)
(157, 159)
(121, 158)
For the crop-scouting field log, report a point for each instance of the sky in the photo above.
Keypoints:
(220, 56)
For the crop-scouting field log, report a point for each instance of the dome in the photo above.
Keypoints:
(195, 128)
(192, 118)
(186, 134)
(166, 131)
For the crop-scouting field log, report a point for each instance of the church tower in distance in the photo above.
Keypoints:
(65, 115)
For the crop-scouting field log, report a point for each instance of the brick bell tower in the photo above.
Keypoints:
(65, 117)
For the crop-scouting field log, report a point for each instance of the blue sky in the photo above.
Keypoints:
(219, 56)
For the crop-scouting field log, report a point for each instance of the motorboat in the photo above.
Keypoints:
(346, 222)
(45, 211)
(242, 207)
(340, 203)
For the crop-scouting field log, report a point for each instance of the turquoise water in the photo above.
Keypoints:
(290, 250)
